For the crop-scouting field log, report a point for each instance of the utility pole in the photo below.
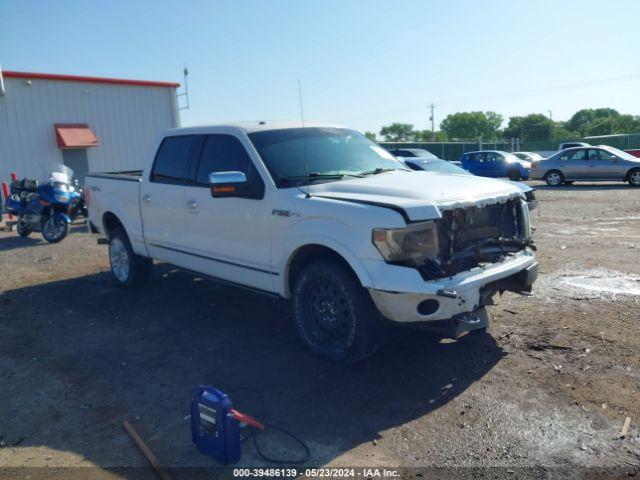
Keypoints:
(432, 119)
(550, 125)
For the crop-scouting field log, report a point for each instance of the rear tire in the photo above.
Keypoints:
(334, 315)
(514, 175)
(129, 270)
(554, 178)
(22, 229)
(633, 177)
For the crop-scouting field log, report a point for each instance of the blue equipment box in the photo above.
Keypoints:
(214, 429)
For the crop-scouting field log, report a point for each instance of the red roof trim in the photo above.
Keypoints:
(76, 78)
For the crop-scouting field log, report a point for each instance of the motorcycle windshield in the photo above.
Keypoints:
(61, 176)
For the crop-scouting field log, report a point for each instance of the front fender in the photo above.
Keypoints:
(64, 216)
(293, 247)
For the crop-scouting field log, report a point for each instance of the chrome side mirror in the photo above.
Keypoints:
(234, 184)
(220, 178)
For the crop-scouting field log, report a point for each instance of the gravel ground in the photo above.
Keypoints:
(546, 393)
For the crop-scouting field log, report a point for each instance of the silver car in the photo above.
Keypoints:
(587, 163)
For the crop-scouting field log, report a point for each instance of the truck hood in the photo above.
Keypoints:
(419, 195)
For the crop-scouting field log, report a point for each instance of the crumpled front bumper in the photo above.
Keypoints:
(402, 297)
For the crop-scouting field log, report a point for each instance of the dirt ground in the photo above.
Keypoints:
(547, 391)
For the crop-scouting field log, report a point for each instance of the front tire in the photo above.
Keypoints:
(633, 177)
(554, 178)
(55, 228)
(334, 315)
(129, 270)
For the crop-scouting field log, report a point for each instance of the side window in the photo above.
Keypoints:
(413, 166)
(172, 159)
(604, 155)
(592, 155)
(578, 155)
(224, 153)
(491, 157)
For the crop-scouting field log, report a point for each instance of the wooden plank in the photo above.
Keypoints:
(160, 470)
(625, 427)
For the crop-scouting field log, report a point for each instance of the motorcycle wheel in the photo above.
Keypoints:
(22, 229)
(54, 229)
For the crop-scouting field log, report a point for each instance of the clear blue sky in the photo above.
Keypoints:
(361, 63)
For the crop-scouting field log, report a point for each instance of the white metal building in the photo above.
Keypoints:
(87, 123)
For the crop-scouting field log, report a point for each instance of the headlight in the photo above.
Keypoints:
(62, 198)
(413, 244)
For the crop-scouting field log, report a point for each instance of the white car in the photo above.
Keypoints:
(322, 216)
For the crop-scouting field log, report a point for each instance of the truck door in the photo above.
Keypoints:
(162, 197)
(229, 237)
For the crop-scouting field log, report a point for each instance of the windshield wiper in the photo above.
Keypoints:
(378, 170)
(319, 176)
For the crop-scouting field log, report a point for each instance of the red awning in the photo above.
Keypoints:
(75, 135)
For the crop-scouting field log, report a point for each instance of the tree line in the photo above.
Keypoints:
(533, 127)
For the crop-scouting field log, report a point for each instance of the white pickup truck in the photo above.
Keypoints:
(323, 216)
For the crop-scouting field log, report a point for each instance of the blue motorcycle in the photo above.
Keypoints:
(48, 208)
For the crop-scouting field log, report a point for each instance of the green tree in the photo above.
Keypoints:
(398, 132)
(530, 128)
(593, 121)
(561, 132)
(429, 136)
(371, 136)
(472, 125)
(627, 124)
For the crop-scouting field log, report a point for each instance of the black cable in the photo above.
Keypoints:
(253, 433)
(307, 452)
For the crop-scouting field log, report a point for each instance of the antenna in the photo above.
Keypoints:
(304, 140)
(185, 94)
(1, 83)
(300, 100)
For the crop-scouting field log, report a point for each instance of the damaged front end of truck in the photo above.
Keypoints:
(468, 255)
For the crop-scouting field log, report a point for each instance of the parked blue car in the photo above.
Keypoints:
(495, 163)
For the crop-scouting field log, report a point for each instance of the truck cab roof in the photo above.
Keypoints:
(249, 127)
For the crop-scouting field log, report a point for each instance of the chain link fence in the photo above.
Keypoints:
(453, 150)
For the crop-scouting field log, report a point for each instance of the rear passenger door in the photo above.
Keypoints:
(162, 197)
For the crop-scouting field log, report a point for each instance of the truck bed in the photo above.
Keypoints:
(116, 194)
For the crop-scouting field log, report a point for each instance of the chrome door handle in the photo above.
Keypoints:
(192, 205)
(146, 198)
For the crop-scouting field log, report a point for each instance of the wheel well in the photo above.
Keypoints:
(110, 223)
(311, 253)
(626, 177)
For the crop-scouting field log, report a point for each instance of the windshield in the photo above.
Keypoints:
(511, 158)
(441, 166)
(418, 152)
(61, 174)
(312, 154)
(620, 153)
